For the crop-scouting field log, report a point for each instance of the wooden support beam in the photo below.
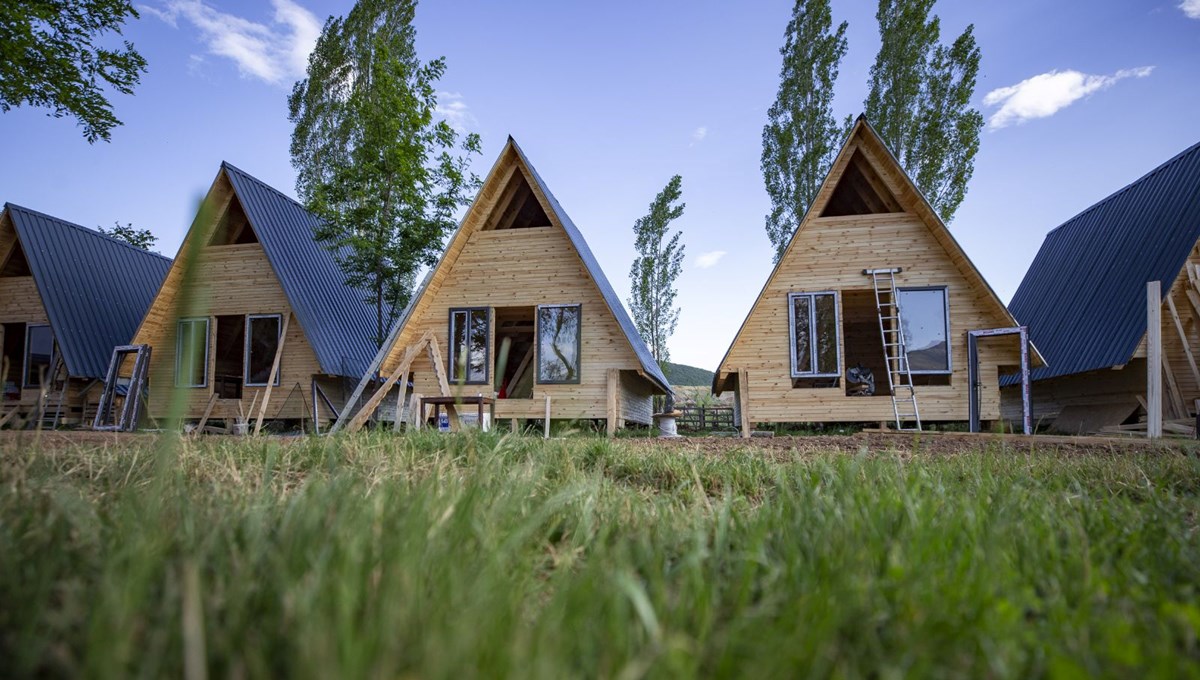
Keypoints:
(415, 413)
(400, 400)
(546, 433)
(9, 416)
(439, 370)
(1187, 347)
(1154, 366)
(614, 395)
(212, 401)
(368, 408)
(743, 398)
(262, 408)
(1178, 405)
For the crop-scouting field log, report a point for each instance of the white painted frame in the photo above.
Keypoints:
(812, 331)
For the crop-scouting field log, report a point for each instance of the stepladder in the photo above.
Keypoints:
(895, 350)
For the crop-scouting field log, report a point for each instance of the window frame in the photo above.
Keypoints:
(25, 384)
(179, 349)
(812, 330)
(246, 349)
(945, 290)
(487, 345)
(537, 345)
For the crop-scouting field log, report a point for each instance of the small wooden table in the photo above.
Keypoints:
(450, 402)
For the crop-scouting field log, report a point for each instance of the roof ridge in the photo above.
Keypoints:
(231, 166)
(1114, 195)
(91, 232)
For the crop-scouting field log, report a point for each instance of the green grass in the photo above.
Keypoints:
(457, 556)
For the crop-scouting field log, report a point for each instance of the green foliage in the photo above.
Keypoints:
(373, 163)
(800, 139)
(49, 58)
(920, 101)
(655, 269)
(462, 556)
(126, 233)
(681, 374)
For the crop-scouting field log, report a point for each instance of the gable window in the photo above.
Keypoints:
(469, 345)
(925, 320)
(191, 353)
(262, 342)
(558, 343)
(39, 349)
(814, 335)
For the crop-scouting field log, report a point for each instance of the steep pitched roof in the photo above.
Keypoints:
(646, 360)
(95, 289)
(1084, 296)
(908, 198)
(335, 317)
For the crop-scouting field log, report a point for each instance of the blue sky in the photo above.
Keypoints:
(611, 99)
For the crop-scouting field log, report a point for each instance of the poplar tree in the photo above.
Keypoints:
(373, 162)
(801, 136)
(657, 265)
(920, 100)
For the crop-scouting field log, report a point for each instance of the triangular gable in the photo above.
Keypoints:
(511, 174)
(334, 317)
(95, 289)
(878, 185)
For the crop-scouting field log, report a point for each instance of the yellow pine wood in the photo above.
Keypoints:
(262, 410)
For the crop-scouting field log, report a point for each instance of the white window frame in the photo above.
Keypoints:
(487, 345)
(812, 331)
(246, 349)
(945, 290)
(537, 345)
(179, 348)
(25, 384)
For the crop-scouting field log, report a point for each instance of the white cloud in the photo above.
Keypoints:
(1191, 8)
(709, 259)
(699, 134)
(275, 53)
(450, 106)
(1046, 94)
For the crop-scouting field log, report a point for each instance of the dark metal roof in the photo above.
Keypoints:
(649, 365)
(1084, 296)
(95, 289)
(335, 317)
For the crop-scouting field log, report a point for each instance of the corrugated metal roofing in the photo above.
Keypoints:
(645, 358)
(95, 289)
(1084, 296)
(335, 317)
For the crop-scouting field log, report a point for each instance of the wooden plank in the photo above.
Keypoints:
(400, 400)
(1154, 363)
(614, 391)
(546, 433)
(1187, 347)
(9, 416)
(368, 408)
(743, 396)
(212, 401)
(439, 370)
(1175, 395)
(262, 408)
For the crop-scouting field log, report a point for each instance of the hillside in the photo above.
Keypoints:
(687, 376)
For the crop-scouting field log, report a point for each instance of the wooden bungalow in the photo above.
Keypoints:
(67, 295)
(869, 261)
(519, 310)
(254, 317)
(1085, 298)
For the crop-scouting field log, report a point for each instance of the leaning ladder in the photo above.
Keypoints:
(895, 352)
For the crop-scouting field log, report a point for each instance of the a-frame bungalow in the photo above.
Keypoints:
(1085, 297)
(518, 309)
(254, 316)
(68, 294)
(872, 278)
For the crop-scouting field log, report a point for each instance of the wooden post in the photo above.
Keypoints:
(1154, 387)
(546, 434)
(262, 408)
(743, 398)
(614, 393)
(400, 400)
(207, 412)
(364, 413)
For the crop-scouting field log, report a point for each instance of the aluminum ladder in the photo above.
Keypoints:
(895, 352)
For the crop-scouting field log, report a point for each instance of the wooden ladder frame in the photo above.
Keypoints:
(133, 396)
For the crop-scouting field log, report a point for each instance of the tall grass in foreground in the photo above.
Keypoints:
(467, 555)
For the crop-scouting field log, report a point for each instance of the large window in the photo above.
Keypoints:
(814, 335)
(262, 342)
(558, 343)
(39, 349)
(191, 353)
(925, 319)
(469, 345)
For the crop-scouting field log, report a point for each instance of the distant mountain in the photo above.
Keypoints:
(688, 376)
